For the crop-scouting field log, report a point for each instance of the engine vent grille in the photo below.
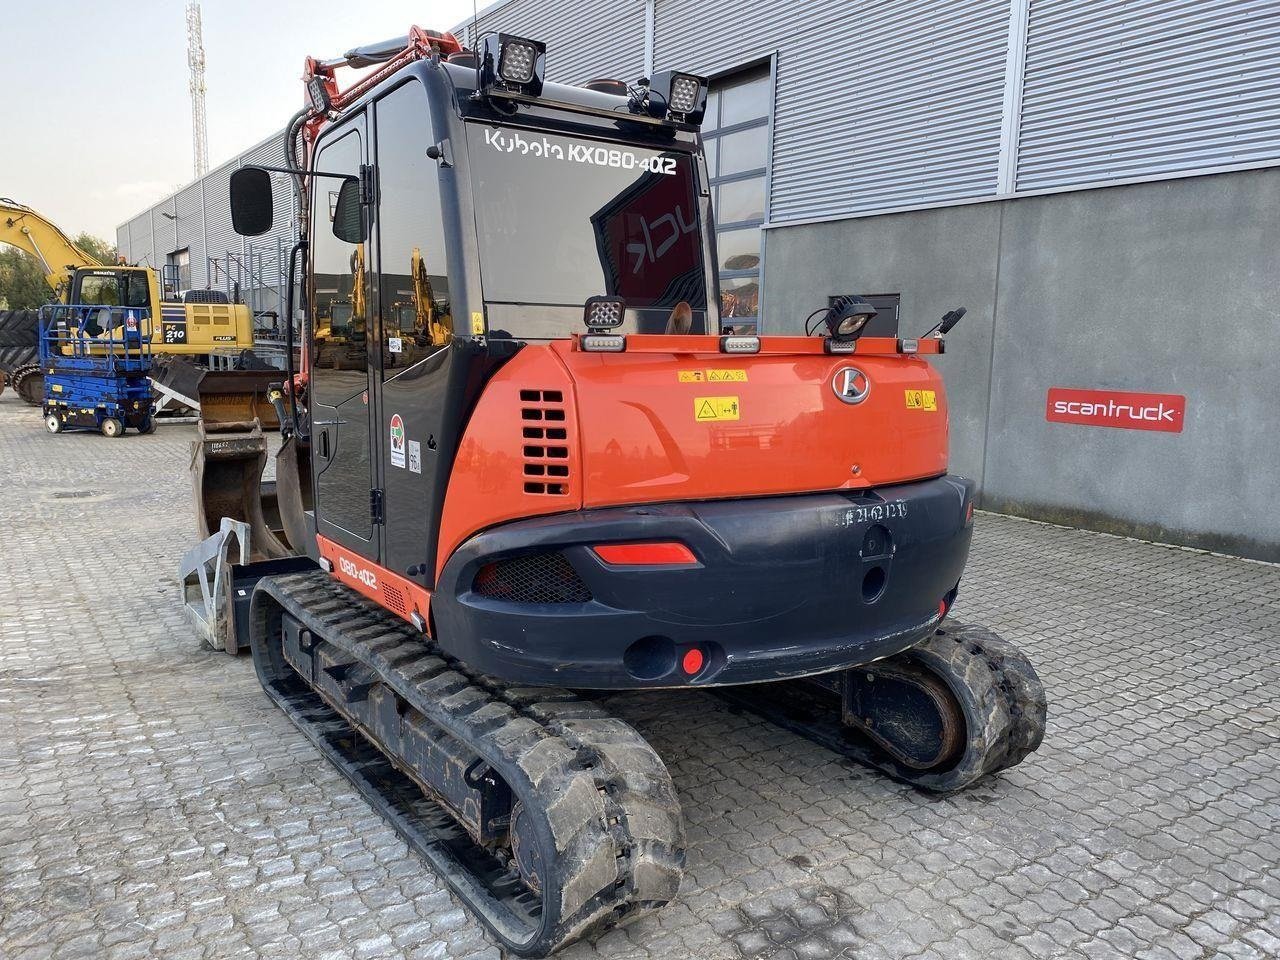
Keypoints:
(545, 442)
(393, 598)
(534, 578)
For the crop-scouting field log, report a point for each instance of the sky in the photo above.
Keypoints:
(96, 119)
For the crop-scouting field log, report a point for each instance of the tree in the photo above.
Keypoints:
(102, 250)
(22, 283)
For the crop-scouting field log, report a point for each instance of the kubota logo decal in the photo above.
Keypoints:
(588, 153)
(349, 569)
(1163, 412)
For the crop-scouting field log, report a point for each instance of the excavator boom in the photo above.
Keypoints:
(22, 227)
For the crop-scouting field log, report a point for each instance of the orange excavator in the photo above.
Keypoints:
(582, 484)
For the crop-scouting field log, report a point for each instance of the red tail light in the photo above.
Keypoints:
(645, 554)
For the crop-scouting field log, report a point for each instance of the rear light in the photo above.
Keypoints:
(692, 661)
(603, 343)
(645, 554)
(739, 344)
(908, 346)
(840, 346)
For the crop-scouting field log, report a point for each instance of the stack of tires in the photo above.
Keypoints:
(19, 330)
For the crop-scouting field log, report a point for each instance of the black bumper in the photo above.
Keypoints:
(783, 587)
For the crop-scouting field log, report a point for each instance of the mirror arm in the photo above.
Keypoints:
(298, 171)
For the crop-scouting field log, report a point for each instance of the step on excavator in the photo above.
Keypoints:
(192, 332)
(575, 482)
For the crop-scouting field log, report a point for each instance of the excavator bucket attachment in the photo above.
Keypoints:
(227, 460)
(293, 495)
(220, 396)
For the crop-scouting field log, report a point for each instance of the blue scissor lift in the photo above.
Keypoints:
(97, 365)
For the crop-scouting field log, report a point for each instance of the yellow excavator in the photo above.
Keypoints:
(201, 326)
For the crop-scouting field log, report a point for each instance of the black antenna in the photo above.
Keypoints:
(475, 40)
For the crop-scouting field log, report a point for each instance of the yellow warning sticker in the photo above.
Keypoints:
(477, 323)
(690, 376)
(922, 400)
(726, 376)
(707, 409)
(57, 388)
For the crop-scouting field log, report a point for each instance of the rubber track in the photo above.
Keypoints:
(1001, 695)
(616, 844)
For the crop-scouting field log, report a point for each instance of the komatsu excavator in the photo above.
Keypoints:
(583, 485)
(201, 326)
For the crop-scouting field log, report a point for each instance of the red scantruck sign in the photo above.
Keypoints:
(1113, 408)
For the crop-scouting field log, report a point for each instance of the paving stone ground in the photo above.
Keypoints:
(154, 804)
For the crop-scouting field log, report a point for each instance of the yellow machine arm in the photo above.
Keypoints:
(358, 282)
(25, 229)
(425, 302)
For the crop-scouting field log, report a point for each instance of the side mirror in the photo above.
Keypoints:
(951, 319)
(348, 213)
(251, 213)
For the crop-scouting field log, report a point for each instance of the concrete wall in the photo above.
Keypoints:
(1170, 287)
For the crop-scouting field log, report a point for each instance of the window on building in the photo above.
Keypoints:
(736, 136)
(179, 263)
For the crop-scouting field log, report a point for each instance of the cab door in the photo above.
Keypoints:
(343, 408)
(424, 372)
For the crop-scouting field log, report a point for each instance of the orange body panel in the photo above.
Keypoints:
(637, 428)
(504, 470)
(401, 596)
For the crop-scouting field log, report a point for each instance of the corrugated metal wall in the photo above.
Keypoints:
(887, 104)
(1120, 89)
(584, 40)
(878, 104)
(140, 249)
(918, 124)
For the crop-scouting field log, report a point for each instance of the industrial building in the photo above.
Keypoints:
(1094, 180)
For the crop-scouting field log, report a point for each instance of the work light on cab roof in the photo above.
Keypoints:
(513, 63)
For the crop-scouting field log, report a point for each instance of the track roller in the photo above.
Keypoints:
(548, 817)
(960, 705)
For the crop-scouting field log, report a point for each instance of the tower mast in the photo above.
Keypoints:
(195, 60)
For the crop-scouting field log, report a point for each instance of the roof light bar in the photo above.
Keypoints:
(739, 344)
(840, 346)
(603, 343)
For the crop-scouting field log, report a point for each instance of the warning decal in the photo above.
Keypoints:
(726, 376)
(712, 376)
(922, 400)
(397, 441)
(707, 409)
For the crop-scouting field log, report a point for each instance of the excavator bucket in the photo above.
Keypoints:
(220, 396)
(227, 461)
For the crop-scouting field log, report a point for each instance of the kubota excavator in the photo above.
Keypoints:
(584, 485)
(202, 327)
